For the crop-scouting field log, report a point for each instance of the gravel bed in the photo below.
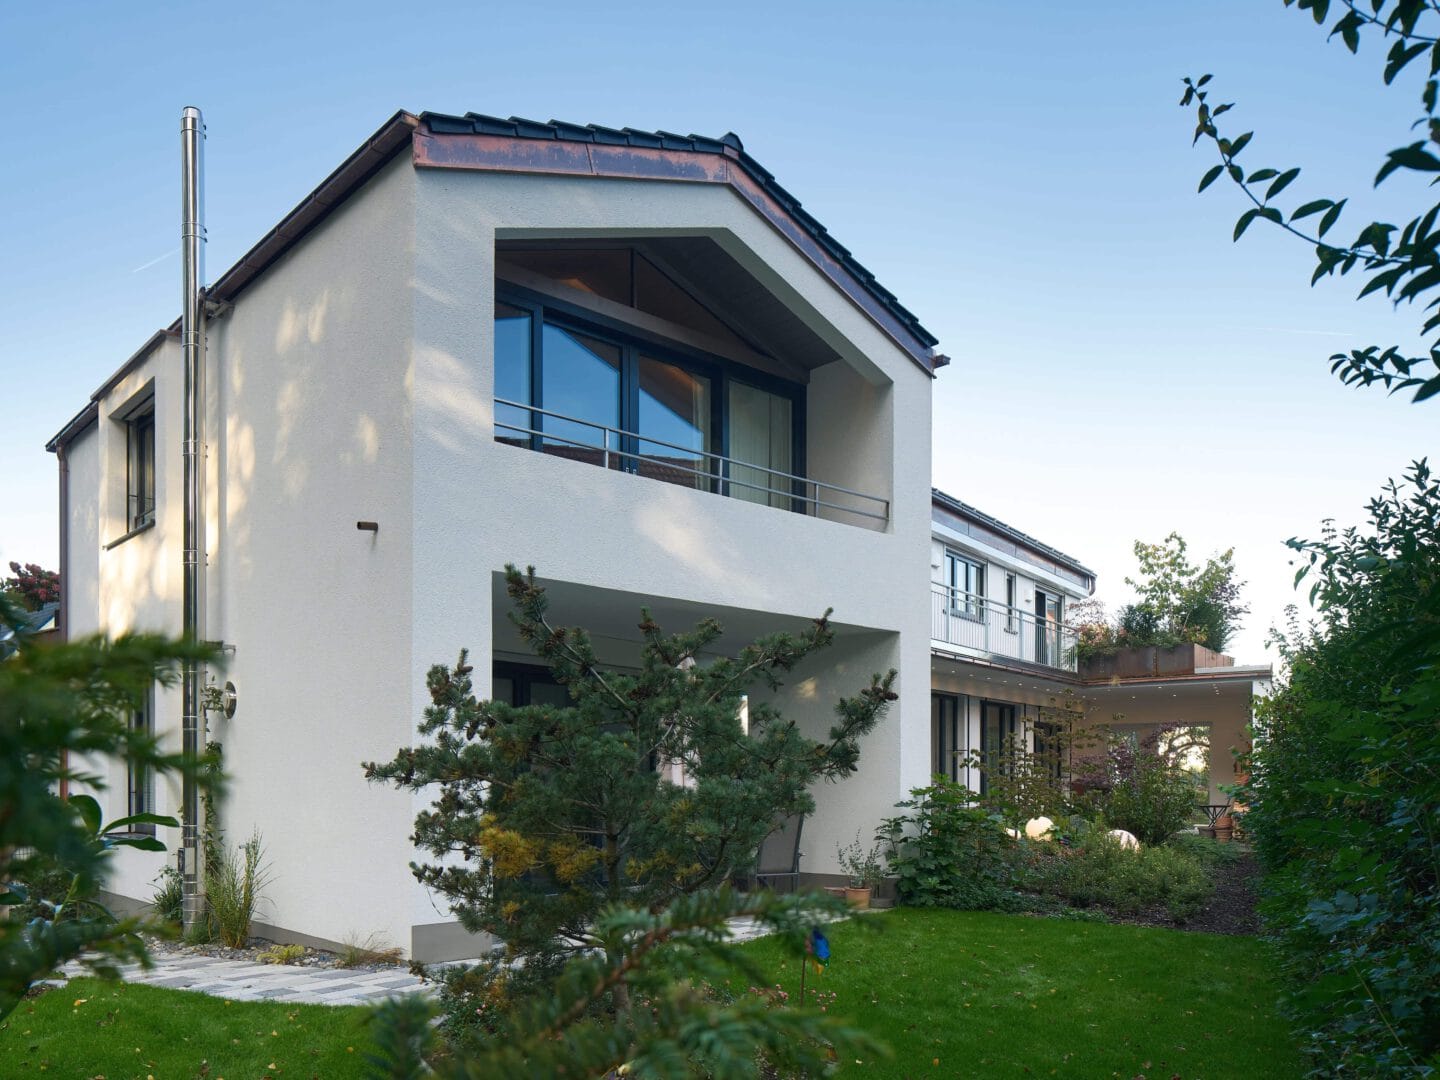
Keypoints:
(173, 948)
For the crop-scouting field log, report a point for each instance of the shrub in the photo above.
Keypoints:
(1344, 795)
(363, 952)
(1102, 873)
(948, 853)
(1140, 789)
(282, 954)
(232, 886)
(169, 896)
(865, 869)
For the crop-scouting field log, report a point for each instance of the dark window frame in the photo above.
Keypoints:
(950, 730)
(140, 780)
(635, 341)
(1007, 724)
(140, 469)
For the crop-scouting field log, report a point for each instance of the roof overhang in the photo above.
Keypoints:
(485, 143)
(489, 144)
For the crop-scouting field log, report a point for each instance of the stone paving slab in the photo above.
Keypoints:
(241, 980)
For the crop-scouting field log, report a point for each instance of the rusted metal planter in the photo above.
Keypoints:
(1152, 661)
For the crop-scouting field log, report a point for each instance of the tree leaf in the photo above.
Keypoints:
(1240, 143)
(1211, 176)
(142, 819)
(1400, 55)
(1281, 183)
(89, 811)
(1311, 208)
(1428, 389)
(1331, 216)
(1244, 222)
(1260, 175)
(1414, 156)
(142, 843)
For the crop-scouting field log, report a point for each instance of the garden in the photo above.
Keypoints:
(1015, 948)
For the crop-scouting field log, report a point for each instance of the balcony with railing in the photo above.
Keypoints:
(561, 435)
(976, 624)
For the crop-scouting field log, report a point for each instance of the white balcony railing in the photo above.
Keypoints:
(628, 451)
(982, 625)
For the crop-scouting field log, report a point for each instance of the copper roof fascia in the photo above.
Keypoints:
(511, 153)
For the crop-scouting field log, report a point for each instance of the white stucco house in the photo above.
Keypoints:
(630, 359)
(1004, 663)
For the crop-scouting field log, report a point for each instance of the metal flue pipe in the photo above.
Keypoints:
(192, 344)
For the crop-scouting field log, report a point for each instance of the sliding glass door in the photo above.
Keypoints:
(762, 433)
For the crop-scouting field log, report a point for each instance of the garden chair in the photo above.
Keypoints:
(779, 856)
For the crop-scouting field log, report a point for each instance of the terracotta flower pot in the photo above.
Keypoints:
(1224, 828)
(857, 898)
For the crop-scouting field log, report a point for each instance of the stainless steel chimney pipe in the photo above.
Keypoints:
(192, 344)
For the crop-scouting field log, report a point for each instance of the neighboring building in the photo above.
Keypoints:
(630, 359)
(1004, 666)
(40, 622)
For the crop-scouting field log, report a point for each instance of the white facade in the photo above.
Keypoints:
(354, 380)
(1004, 664)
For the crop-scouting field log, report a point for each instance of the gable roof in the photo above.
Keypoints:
(668, 159)
(616, 152)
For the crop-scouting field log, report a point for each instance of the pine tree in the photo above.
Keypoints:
(557, 812)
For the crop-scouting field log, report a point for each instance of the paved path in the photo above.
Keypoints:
(241, 980)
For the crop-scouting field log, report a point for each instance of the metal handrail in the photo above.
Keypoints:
(972, 621)
(722, 474)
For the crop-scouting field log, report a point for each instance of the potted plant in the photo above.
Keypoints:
(1224, 827)
(865, 870)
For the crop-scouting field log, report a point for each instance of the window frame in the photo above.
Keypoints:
(140, 780)
(972, 605)
(1012, 594)
(1007, 723)
(635, 341)
(140, 474)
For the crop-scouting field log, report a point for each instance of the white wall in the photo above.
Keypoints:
(354, 380)
(309, 379)
(479, 505)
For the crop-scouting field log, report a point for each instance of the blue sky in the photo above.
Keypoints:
(1019, 174)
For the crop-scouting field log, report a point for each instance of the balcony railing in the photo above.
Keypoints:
(628, 451)
(982, 625)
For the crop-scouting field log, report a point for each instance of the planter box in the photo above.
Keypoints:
(1152, 662)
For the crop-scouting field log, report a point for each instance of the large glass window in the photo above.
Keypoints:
(966, 578)
(948, 730)
(998, 740)
(580, 379)
(674, 424)
(512, 373)
(603, 394)
(762, 433)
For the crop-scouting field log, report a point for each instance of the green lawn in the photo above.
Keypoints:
(955, 994)
(971, 994)
(90, 1028)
